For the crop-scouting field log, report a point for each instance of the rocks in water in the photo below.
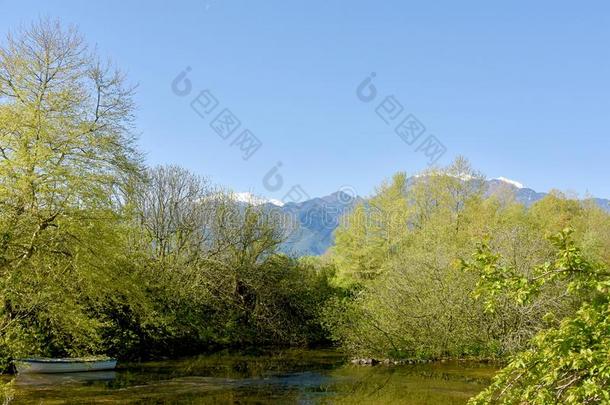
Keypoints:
(365, 362)
(389, 362)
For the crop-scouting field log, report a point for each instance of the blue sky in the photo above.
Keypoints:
(520, 88)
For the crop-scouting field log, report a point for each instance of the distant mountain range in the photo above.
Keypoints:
(313, 222)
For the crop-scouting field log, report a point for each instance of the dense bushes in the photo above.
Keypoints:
(397, 254)
(567, 363)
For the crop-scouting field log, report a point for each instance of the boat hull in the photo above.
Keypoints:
(54, 366)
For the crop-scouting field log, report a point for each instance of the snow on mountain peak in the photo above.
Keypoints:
(250, 198)
(511, 182)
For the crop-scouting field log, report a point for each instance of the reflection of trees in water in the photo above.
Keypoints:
(7, 391)
(431, 383)
(287, 376)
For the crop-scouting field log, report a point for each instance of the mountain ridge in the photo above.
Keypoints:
(313, 221)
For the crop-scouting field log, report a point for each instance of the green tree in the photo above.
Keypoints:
(369, 234)
(563, 364)
(418, 303)
(65, 148)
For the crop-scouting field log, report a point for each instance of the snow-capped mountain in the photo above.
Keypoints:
(316, 219)
(249, 198)
(511, 182)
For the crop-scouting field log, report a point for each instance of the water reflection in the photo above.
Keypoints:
(291, 376)
(63, 379)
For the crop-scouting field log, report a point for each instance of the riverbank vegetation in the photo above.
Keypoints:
(534, 293)
(398, 255)
(101, 254)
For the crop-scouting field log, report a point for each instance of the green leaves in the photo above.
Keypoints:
(569, 363)
(408, 294)
(65, 150)
(497, 279)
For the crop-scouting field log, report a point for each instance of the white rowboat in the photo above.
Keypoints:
(52, 366)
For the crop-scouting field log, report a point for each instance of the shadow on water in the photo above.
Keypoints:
(289, 376)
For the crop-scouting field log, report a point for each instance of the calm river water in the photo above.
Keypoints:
(282, 377)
